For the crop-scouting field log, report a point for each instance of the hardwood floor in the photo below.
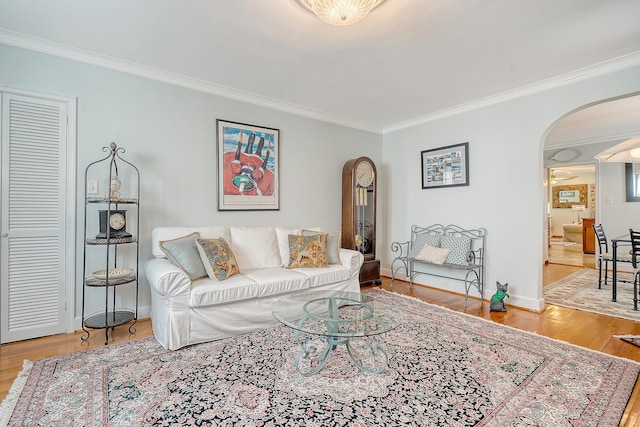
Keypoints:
(577, 327)
(570, 255)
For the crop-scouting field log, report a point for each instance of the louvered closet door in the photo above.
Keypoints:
(32, 245)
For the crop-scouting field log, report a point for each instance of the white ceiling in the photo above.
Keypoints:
(409, 60)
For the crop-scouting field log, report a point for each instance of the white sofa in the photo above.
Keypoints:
(185, 312)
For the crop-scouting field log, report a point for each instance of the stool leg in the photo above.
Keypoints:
(635, 292)
(599, 273)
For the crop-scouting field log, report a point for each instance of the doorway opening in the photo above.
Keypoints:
(571, 212)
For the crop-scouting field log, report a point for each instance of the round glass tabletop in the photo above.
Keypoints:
(336, 314)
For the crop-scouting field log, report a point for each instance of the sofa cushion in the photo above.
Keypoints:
(431, 239)
(323, 276)
(433, 255)
(218, 258)
(460, 246)
(333, 244)
(206, 291)
(275, 281)
(283, 242)
(183, 252)
(159, 234)
(308, 251)
(255, 247)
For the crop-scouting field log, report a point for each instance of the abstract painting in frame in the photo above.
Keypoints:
(248, 177)
(445, 166)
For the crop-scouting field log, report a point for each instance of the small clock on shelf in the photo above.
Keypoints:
(115, 221)
(359, 215)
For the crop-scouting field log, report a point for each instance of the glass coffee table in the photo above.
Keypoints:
(324, 320)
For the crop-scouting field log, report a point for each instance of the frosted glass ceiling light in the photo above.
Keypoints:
(341, 12)
(635, 153)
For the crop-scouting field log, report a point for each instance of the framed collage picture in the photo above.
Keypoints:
(445, 166)
(248, 177)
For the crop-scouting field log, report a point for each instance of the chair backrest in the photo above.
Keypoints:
(602, 238)
(635, 246)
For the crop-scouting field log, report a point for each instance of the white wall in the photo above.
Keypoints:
(506, 174)
(169, 133)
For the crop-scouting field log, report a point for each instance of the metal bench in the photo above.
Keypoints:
(470, 264)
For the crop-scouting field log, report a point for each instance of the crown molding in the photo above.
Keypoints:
(25, 41)
(616, 64)
(598, 140)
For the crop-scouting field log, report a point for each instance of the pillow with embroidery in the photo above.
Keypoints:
(433, 255)
(333, 244)
(218, 258)
(308, 251)
(183, 252)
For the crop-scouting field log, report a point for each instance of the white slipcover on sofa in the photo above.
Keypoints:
(185, 311)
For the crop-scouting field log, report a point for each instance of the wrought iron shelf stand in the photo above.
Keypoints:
(106, 250)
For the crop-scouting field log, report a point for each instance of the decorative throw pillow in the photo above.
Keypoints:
(308, 251)
(183, 252)
(333, 244)
(218, 258)
(433, 255)
(460, 246)
(421, 240)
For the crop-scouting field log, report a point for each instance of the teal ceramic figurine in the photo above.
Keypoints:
(497, 300)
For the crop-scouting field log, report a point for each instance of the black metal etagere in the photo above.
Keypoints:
(111, 243)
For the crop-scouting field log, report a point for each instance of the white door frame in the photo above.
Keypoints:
(71, 197)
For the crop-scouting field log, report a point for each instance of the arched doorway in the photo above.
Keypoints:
(586, 132)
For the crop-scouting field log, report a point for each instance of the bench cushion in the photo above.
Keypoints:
(433, 255)
(431, 239)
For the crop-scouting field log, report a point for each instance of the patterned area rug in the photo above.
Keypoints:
(580, 291)
(446, 368)
(633, 339)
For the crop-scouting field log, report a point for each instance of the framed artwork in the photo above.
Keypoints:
(565, 196)
(445, 166)
(248, 177)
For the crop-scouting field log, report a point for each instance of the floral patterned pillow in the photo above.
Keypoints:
(218, 258)
(308, 251)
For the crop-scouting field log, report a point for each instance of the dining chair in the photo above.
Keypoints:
(635, 253)
(604, 256)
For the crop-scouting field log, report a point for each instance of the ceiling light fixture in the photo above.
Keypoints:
(635, 153)
(341, 12)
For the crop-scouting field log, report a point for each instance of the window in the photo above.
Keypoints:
(632, 174)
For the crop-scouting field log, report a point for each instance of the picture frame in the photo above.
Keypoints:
(248, 166)
(565, 196)
(445, 166)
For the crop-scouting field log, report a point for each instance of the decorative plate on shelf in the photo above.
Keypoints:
(114, 273)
